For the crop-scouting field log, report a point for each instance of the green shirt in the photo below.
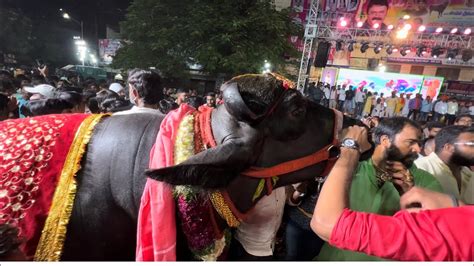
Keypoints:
(366, 196)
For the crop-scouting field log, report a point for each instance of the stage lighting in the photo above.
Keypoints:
(436, 51)
(421, 28)
(453, 31)
(377, 48)
(405, 50)
(364, 47)
(419, 50)
(350, 47)
(394, 50)
(376, 26)
(339, 45)
(390, 27)
(467, 31)
(360, 24)
(407, 27)
(402, 34)
(439, 30)
(389, 49)
(466, 55)
(343, 22)
(406, 17)
(452, 53)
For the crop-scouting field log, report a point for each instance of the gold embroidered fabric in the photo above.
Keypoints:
(53, 234)
(25, 149)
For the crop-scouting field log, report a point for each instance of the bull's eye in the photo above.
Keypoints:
(298, 112)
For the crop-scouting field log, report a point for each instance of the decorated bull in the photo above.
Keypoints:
(73, 184)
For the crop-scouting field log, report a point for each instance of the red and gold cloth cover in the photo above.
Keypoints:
(33, 152)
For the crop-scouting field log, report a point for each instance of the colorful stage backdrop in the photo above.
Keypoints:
(431, 86)
(431, 13)
(387, 82)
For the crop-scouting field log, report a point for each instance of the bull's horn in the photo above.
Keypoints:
(235, 105)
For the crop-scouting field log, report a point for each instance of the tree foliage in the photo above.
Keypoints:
(15, 32)
(223, 36)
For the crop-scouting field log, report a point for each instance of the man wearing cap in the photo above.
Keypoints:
(41, 91)
(63, 82)
(117, 88)
(118, 77)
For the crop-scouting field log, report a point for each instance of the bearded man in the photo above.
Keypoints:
(379, 181)
(454, 153)
(376, 13)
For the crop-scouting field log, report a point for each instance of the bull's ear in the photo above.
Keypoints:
(201, 175)
(235, 105)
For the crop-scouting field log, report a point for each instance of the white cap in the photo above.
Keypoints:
(116, 87)
(118, 77)
(46, 90)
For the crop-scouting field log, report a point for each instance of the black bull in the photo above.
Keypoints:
(104, 218)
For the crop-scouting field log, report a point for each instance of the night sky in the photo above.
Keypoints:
(95, 14)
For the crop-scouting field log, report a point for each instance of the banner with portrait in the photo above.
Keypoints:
(300, 12)
(430, 13)
(108, 48)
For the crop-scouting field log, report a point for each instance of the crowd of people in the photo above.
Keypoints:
(361, 102)
(423, 158)
(28, 94)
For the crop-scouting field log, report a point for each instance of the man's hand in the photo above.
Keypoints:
(44, 71)
(359, 134)
(297, 191)
(368, 122)
(12, 103)
(401, 176)
(424, 199)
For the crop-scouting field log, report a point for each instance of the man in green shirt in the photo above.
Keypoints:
(378, 182)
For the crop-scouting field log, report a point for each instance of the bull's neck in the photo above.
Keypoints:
(317, 135)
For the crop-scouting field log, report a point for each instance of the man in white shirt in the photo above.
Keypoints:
(255, 237)
(454, 153)
(342, 98)
(471, 109)
(145, 92)
(359, 100)
(327, 95)
(440, 109)
(453, 108)
(333, 97)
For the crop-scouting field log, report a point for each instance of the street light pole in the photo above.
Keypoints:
(68, 17)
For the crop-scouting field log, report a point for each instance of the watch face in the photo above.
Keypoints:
(349, 142)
